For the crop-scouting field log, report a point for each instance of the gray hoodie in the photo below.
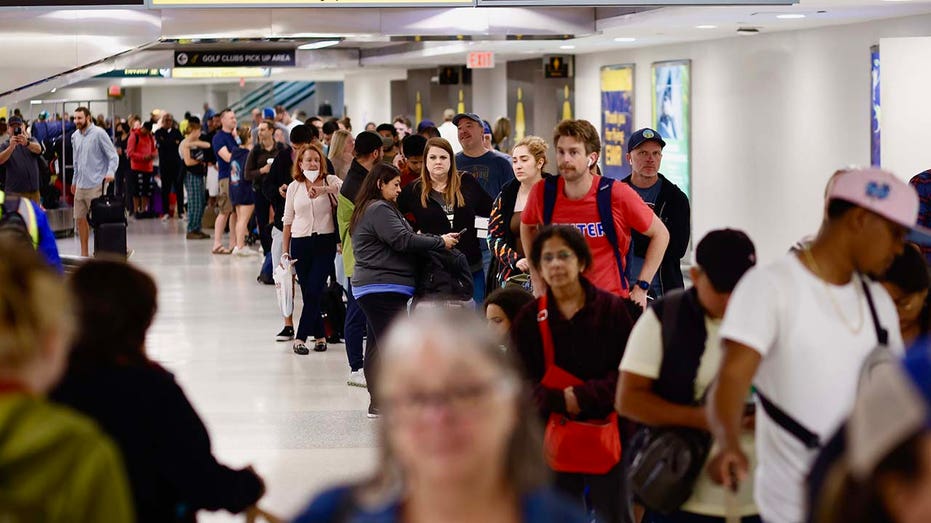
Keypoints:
(386, 247)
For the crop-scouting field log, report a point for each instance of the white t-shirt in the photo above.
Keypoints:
(644, 356)
(450, 133)
(810, 368)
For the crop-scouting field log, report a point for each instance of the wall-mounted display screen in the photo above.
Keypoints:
(672, 118)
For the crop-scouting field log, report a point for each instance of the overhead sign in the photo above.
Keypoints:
(221, 72)
(311, 3)
(137, 73)
(481, 60)
(557, 66)
(234, 58)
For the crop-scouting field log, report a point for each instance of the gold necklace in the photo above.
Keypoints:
(827, 287)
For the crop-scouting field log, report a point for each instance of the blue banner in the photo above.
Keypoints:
(875, 112)
(617, 106)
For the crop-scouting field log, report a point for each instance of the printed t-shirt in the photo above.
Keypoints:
(629, 213)
(810, 367)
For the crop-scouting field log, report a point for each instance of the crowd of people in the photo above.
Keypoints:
(599, 388)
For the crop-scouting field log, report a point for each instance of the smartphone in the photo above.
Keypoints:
(17, 131)
(463, 231)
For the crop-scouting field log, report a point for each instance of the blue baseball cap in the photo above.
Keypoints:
(644, 135)
(471, 116)
(268, 112)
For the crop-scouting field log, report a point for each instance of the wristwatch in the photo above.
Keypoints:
(645, 285)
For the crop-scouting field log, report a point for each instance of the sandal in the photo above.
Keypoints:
(221, 250)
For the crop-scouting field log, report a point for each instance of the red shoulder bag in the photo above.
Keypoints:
(584, 447)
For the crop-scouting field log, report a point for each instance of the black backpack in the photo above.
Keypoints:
(12, 222)
(445, 275)
(333, 310)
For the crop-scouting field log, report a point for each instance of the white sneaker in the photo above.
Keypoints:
(356, 379)
(242, 253)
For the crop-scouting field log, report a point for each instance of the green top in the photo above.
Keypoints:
(344, 210)
(57, 465)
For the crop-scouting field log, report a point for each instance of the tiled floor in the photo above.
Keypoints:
(292, 417)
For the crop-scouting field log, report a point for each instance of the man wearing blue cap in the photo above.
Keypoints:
(490, 168)
(669, 203)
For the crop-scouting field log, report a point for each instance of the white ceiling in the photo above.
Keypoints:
(366, 31)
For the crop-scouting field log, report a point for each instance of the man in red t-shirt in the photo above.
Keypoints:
(577, 144)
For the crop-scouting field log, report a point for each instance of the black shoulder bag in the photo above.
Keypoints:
(668, 460)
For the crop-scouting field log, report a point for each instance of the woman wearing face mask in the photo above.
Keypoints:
(386, 249)
(907, 282)
(459, 443)
(444, 200)
(528, 158)
(310, 239)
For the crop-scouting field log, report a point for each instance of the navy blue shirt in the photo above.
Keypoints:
(220, 140)
(491, 170)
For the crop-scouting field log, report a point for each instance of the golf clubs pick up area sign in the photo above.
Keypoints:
(234, 58)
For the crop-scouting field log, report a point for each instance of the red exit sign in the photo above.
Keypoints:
(481, 60)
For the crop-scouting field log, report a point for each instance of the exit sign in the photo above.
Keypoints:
(481, 60)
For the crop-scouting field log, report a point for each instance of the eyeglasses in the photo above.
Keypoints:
(457, 398)
(561, 256)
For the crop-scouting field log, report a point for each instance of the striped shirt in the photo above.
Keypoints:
(94, 157)
(922, 184)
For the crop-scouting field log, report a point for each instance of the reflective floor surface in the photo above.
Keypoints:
(292, 417)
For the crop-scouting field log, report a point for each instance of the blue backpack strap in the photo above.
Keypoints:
(603, 198)
(550, 188)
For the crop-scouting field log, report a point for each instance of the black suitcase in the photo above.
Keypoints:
(107, 209)
(110, 239)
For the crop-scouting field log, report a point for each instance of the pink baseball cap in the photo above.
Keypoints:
(883, 193)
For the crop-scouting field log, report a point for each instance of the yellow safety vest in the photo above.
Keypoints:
(29, 214)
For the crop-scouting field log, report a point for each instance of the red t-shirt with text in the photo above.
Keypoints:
(629, 210)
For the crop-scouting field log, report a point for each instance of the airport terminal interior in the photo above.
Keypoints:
(764, 114)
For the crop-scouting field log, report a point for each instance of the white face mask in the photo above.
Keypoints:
(311, 175)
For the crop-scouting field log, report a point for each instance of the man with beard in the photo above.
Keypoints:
(95, 162)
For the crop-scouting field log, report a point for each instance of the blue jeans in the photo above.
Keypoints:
(314, 257)
(354, 330)
(478, 290)
(267, 266)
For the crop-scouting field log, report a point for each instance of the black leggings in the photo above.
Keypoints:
(380, 308)
(172, 179)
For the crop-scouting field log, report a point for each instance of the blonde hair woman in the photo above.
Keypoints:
(341, 152)
(460, 443)
(445, 200)
(55, 464)
(509, 258)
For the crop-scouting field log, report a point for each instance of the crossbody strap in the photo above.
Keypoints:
(790, 424)
(881, 333)
(546, 334)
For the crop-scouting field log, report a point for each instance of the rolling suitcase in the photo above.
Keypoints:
(108, 217)
(110, 239)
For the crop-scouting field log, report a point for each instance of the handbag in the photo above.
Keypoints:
(666, 465)
(570, 445)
